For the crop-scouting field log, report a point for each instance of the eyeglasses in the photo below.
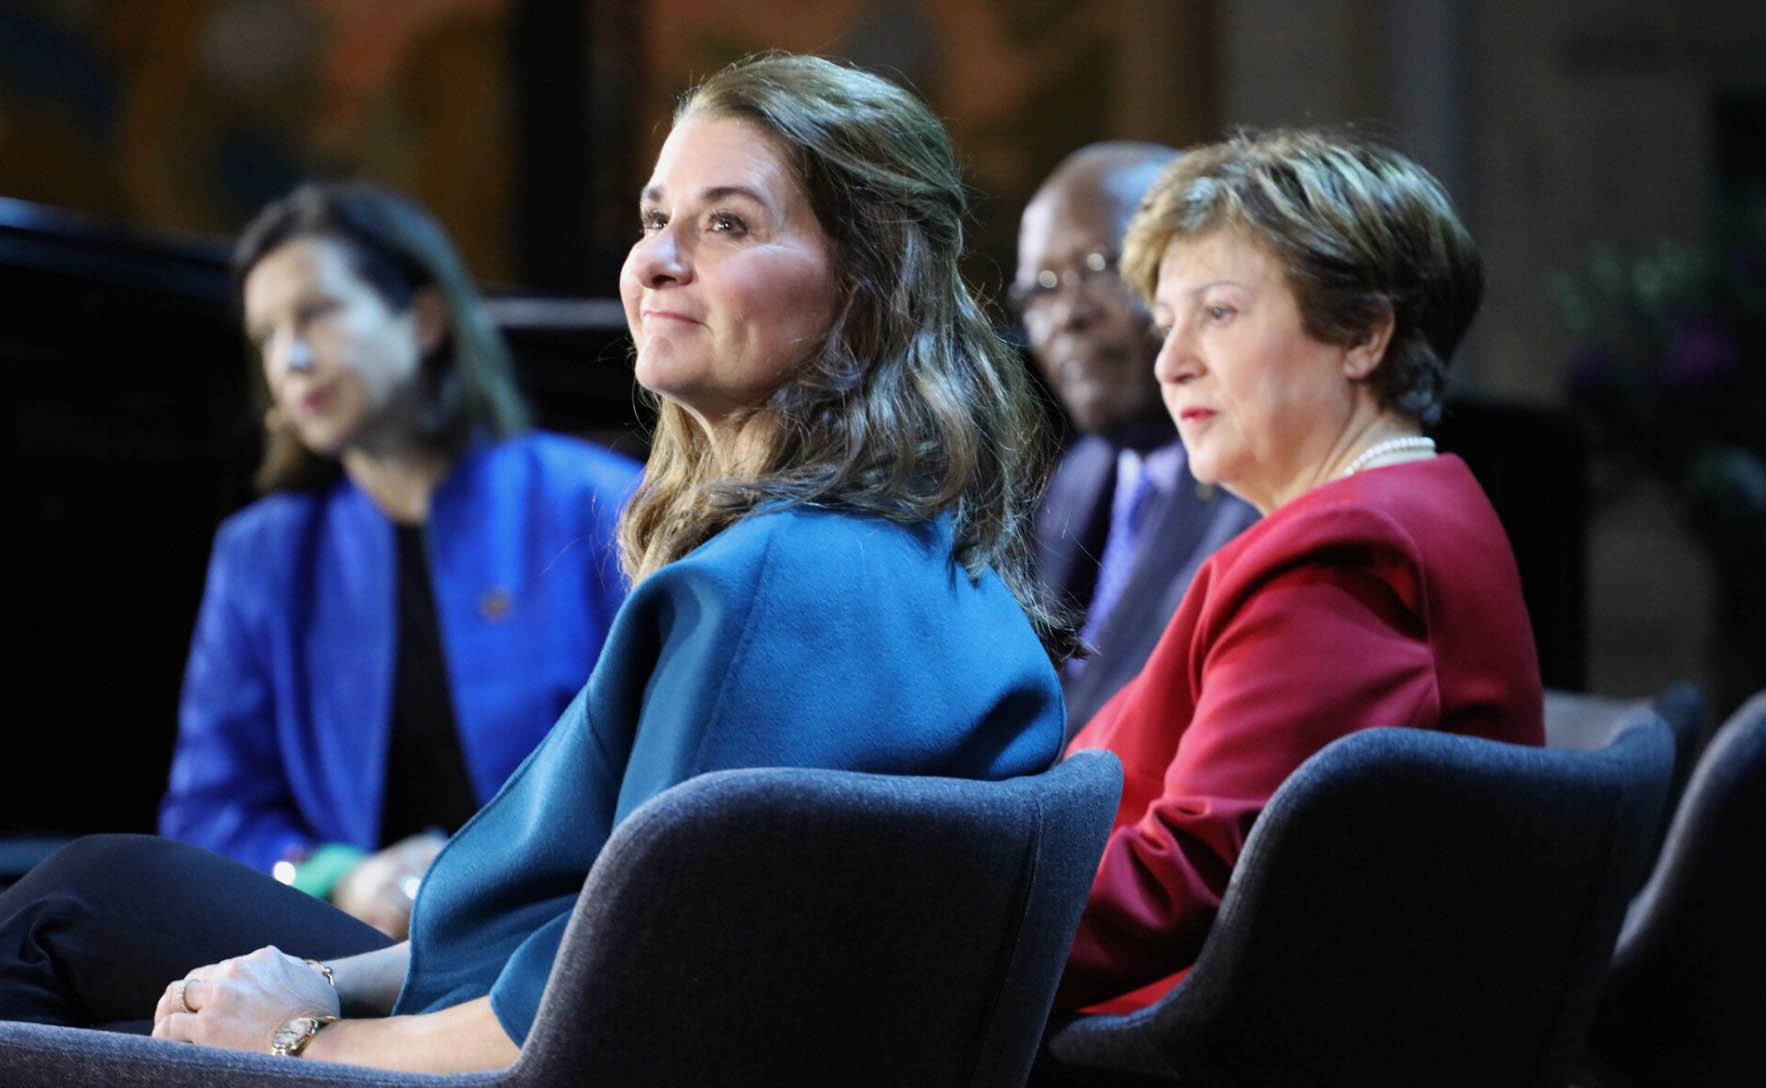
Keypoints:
(1093, 271)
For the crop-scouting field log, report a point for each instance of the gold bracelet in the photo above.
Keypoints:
(292, 1038)
(324, 969)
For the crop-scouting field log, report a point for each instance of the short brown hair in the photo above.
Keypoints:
(1360, 230)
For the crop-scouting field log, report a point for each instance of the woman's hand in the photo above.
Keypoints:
(381, 887)
(240, 1003)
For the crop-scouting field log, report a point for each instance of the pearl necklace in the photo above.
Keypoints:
(1421, 443)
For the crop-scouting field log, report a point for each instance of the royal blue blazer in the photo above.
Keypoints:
(287, 701)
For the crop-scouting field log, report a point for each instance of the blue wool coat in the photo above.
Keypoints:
(287, 701)
(796, 637)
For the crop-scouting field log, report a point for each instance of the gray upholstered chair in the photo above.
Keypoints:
(776, 927)
(1685, 998)
(1587, 722)
(1411, 908)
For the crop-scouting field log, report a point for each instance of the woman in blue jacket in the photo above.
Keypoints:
(829, 560)
(389, 631)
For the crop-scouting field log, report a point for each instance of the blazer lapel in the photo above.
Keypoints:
(1182, 531)
(1074, 518)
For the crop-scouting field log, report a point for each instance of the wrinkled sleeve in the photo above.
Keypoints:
(228, 790)
(515, 996)
(1316, 652)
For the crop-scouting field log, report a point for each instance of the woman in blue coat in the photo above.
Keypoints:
(395, 625)
(828, 553)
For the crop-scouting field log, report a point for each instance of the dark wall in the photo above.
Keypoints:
(1533, 463)
(125, 395)
(129, 437)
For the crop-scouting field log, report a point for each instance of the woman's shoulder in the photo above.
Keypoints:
(1307, 531)
(802, 555)
(536, 478)
(272, 519)
(1399, 505)
(1395, 523)
(565, 458)
(827, 538)
(266, 543)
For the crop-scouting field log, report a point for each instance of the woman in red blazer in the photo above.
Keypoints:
(1309, 289)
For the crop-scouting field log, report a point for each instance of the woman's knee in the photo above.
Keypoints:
(117, 861)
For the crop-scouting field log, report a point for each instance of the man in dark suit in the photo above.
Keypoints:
(1123, 525)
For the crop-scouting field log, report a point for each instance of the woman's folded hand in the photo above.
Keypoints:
(240, 1003)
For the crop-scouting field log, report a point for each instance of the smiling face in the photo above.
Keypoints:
(1263, 408)
(341, 365)
(731, 284)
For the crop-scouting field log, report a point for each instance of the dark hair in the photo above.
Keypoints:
(912, 406)
(466, 384)
(1360, 230)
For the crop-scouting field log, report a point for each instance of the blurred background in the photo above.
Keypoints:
(1609, 155)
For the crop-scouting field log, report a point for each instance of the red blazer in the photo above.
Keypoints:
(1387, 598)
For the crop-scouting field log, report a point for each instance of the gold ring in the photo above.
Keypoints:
(184, 994)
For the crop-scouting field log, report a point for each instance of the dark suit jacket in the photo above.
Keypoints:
(1071, 526)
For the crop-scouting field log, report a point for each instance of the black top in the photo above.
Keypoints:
(426, 781)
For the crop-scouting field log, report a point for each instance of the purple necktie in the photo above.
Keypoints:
(1128, 514)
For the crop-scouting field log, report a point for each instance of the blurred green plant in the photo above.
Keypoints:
(1669, 372)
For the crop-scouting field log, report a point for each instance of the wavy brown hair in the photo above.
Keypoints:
(466, 384)
(911, 406)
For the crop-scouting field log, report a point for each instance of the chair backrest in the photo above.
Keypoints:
(774, 927)
(1588, 722)
(1686, 995)
(1410, 908)
(792, 926)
